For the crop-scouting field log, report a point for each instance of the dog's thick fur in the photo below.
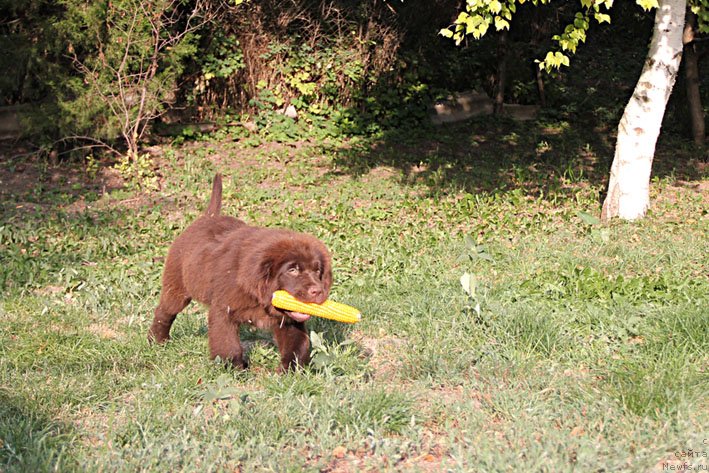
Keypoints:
(234, 268)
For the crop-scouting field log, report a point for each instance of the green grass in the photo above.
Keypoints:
(583, 347)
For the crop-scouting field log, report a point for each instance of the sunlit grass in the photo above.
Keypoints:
(583, 347)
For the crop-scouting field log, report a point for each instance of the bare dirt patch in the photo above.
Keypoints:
(104, 332)
(383, 354)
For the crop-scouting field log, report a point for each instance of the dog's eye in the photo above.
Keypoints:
(293, 271)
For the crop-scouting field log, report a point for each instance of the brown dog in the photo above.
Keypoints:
(234, 268)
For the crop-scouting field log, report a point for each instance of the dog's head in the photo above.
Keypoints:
(295, 262)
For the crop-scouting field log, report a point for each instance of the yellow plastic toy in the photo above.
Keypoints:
(328, 310)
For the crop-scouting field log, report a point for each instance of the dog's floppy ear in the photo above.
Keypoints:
(257, 276)
(265, 281)
(326, 271)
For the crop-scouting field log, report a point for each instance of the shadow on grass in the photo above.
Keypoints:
(50, 249)
(548, 158)
(57, 220)
(570, 144)
(29, 440)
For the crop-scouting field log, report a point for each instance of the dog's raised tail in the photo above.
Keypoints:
(215, 201)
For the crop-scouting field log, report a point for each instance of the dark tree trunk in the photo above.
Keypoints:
(691, 76)
(539, 32)
(540, 86)
(502, 54)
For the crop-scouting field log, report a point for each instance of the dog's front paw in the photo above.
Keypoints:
(157, 336)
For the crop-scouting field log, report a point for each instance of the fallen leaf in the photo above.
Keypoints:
(339, 452)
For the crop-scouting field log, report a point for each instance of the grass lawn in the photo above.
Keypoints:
(577, 346)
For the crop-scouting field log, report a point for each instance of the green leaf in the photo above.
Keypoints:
(482, 254)
(446, 33)
(315, 340)
(469, 283)
(563, 59)
(320, 360)
(501, 23)
(483, 29)
(647, 4)
(506, 13)
(602, 17)
(605, 235)
(587, 218)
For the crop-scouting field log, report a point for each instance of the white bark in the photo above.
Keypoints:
(629, 187)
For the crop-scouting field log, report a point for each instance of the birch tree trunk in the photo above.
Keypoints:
(629, 186)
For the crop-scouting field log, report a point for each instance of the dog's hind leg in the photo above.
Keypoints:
(165, 314)
(173, 299)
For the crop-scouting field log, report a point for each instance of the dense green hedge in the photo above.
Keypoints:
(346, 66)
